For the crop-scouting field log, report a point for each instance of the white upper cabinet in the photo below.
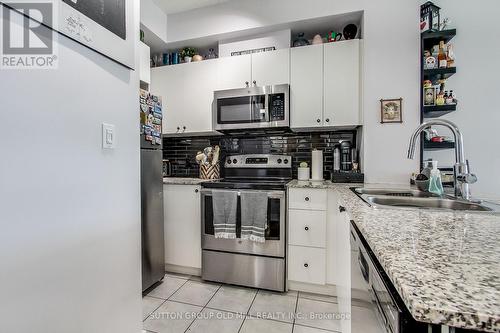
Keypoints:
(270, 68)
(342, 83)
(306, 86)
(144, 63)
(234, 72)
(187, 95)
(325, 85)
(258, 69)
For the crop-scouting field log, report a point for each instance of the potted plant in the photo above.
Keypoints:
(187, 53)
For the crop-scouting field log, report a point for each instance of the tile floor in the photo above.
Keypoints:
(186, 304)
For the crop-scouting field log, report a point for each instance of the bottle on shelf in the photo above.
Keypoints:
(453, 97)
(450, 56)
(443, 63)
(448, 98)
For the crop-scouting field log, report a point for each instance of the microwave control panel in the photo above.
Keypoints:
(276, 107)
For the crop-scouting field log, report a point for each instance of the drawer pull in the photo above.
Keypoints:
(341, 209)
(318, 120)
(306, 265)
(306, 198)
(306, 228)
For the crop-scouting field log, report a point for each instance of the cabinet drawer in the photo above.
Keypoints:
(305, 198)
(306, 264)
(307, 227)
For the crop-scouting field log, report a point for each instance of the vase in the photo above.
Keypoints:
(188, 59)
(317, 40)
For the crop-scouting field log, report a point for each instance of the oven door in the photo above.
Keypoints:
(274, 245)
(253, 107)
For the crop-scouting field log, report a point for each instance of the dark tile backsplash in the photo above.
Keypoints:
(181, 151)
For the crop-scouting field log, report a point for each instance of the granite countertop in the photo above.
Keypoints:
(184, 181)
(314, 184)
(444, 264)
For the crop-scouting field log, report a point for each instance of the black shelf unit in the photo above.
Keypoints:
(435, 111)
(439, 73)
(434, 37)
(429, 145)
(427, 40)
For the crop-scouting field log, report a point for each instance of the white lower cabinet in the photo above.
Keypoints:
(182, 225)
(318, 239)
(307, 228)
(306, 264)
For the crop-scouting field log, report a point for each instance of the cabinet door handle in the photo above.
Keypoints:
(306, 228)
(341, 209)
(318, 120)
(247, 83)
(178, 128)
(254, 82)
(306, 198)
(196, 191)
(306, 265)
(327, 120)
(183, 128)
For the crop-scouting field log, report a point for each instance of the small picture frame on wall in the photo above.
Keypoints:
(391, 110)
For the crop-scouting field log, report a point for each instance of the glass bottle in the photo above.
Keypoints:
(450, 56)
(442, 56)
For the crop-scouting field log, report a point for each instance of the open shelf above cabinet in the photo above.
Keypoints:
(429, 145)
(435, 111)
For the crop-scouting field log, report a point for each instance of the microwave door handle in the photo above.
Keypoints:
(266, 107)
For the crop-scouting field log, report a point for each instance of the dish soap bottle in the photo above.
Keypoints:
(435, 185)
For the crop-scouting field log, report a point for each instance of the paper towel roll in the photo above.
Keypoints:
(317, 165)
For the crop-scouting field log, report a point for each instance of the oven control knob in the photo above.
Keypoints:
(285, 161)
(279, 160)
(229, 161)
(235, 161)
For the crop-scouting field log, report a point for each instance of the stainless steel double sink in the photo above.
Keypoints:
(408, 198)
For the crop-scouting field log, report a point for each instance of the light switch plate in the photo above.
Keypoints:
(108, 136)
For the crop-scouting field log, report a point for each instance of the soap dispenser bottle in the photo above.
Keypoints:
(435, 184)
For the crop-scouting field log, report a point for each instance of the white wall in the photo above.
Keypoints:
(69, 211)
(391, 64)
(154, 19)
(476, 84)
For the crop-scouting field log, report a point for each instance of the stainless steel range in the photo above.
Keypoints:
(243, 261)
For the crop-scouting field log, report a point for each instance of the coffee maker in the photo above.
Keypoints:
(345, 156)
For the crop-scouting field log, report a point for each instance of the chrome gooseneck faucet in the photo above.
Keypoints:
(462, 176)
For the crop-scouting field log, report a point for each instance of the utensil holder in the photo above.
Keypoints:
(210, 171)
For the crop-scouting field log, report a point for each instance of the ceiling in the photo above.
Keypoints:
(176, 6)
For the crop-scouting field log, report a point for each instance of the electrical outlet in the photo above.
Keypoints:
(108, 136)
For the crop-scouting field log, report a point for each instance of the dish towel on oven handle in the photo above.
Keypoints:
(253, 216)
(224, 204)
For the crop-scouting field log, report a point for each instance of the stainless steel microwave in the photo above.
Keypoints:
(252, 108)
